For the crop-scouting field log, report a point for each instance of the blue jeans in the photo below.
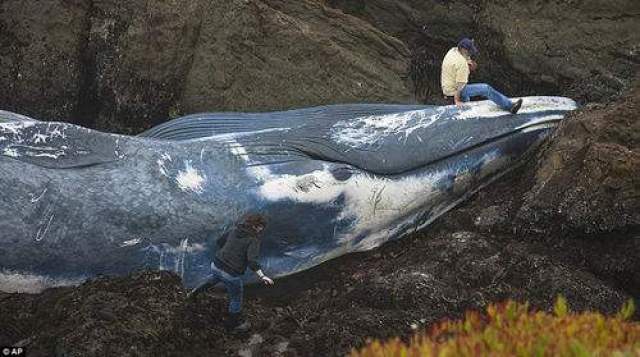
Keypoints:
(233, 284)
(486, 91)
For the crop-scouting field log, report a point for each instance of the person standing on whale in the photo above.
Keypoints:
(456, 67)
(238, 249)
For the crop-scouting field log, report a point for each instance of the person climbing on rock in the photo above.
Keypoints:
(238, 248)
(454, 78)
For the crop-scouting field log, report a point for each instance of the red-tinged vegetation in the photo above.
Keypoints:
(513, 329)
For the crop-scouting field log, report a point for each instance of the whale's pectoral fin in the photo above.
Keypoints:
(54, 144)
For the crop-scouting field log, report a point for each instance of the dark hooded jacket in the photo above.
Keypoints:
(238, 249)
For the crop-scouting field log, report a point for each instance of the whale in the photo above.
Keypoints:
(77, 203)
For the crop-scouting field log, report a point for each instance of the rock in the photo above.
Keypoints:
(587, 180)
(588, 51)
(251, 346)
(265, 55)
(429, 28)
(126, 66)
(40, 66)
(135, 59)
(491, 216)
(442, 20)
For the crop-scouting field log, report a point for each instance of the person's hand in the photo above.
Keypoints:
(267, 280)
(459, 104)
(472, 65)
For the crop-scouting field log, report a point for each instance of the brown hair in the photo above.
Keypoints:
(251, 220)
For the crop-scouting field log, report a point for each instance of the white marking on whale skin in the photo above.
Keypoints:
(190, 179)
(183, 246)
(41, 234)
(19, 282)
(540, 120)
(11, 152)
(239, 150)
(179, 262)
(38, 138)
(161, 265)
(530, 105)
(57, 133)
(539, 126)
(374, 202)
(492, 162)
(116, 152)
(35, 199)
(162, 168)
(364, 131)
(260, 172)
(37, 148)
(51, 156)
(34, 151)
(161, 163)
(16, 127)
(233, 136)
(3, 138)
(130, 242)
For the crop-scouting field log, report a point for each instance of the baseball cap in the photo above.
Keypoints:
(469, 45)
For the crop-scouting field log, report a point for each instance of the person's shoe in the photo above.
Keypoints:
(243, 327)
(236, 324)
(516, 106)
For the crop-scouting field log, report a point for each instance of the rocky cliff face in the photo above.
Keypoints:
(265, 55)
(587, 50)
(588, 178)
(125, 66)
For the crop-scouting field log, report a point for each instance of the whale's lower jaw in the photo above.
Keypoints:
(437, 189)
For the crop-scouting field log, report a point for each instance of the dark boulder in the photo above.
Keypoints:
(587, 180)
(126, 66)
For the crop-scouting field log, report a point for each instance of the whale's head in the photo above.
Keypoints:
(345, 178)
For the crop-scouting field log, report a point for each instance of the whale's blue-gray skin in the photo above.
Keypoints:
(76, 203)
